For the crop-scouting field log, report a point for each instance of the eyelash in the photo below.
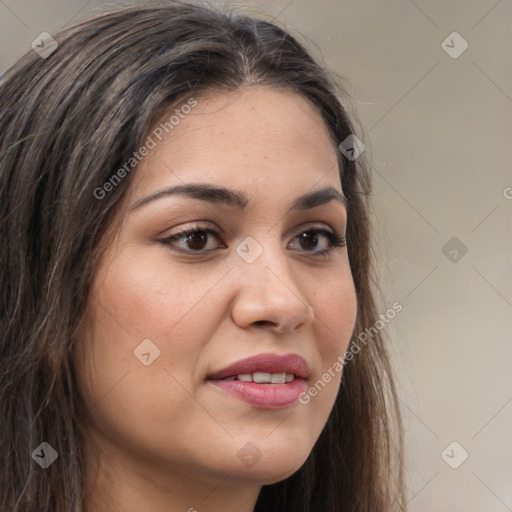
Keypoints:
(334, 240)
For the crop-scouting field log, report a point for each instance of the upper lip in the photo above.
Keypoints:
(268, 363)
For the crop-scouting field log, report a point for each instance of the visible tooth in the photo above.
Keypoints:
(229, 378)
(261, 377)
(264, 377)
(278, 378)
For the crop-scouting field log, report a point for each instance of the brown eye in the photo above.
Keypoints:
(308, 240)
(196, 240)
(317, 241)
(199, 241)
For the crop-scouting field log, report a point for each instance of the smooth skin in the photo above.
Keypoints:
(161, 437)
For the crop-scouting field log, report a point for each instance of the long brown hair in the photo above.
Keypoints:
(67, 123)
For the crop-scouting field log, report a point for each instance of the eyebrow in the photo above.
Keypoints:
(236, 199)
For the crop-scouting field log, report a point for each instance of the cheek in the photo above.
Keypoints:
(130, 305)
(155, 299)
(335, 307)
(136, 300)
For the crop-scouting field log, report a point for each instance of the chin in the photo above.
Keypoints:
(270, 464)
(267, 473)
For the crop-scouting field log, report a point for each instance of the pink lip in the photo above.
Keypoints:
(267, 396)
(268, 363)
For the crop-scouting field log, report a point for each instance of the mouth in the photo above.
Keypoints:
(266, 381)
(263, 377)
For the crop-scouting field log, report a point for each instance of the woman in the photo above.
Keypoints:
(186, 266)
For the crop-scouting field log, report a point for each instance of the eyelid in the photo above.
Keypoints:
(334, 239)
(191, 228)
(207, 226)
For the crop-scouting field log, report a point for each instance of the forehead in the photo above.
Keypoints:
(252, 138)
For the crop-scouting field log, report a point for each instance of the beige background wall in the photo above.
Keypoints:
(439, 132)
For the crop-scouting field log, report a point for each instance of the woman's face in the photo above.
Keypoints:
(258, 289)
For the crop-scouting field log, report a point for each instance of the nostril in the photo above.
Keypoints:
(264, 322)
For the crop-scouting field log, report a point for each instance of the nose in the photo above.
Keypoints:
(268, 296)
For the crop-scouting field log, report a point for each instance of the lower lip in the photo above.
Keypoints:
(266, 396)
